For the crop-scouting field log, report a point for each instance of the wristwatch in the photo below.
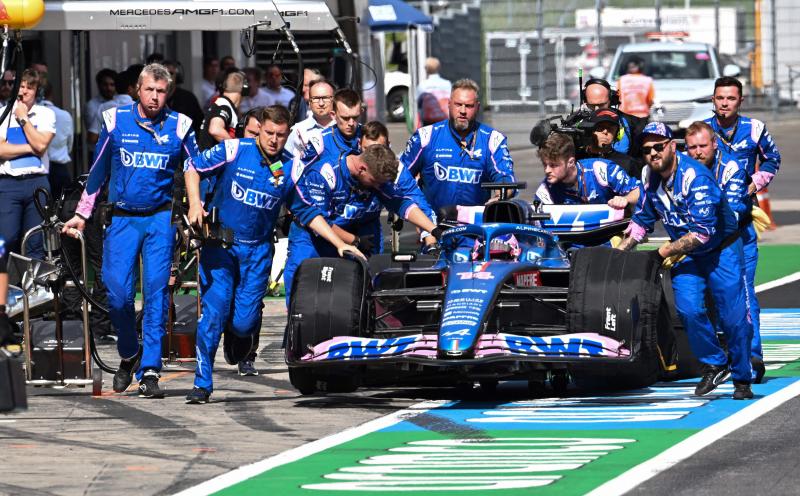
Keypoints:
(22, 122)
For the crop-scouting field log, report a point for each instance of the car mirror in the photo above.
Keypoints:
(731, 70)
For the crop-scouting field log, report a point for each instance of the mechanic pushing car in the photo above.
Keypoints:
(747, 141)
(251, 187)
(327, 145)
(591, 180)
(362, 221)
(140, 147)
(455, 156)
(732, 177)
(326, 189)
(703, 227)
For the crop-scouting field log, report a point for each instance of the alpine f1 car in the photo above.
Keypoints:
(503, 301)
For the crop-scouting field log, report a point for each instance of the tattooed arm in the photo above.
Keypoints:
(681, 246)
(627, 244)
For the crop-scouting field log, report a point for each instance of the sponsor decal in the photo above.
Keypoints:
(554, 346)
(181, 12)
(372, 348)
(326, 274)
(484, 276)
(252, 197)
(457, 174)
(529, 279)
(329, 176)
(144, 160)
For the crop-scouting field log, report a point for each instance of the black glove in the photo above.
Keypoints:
(364, 243)
(656, 256)
(434, 250)
(437, 233)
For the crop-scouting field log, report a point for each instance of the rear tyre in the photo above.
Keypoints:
(303, 380)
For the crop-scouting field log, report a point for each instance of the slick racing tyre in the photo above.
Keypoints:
(329, 299)
(618, 294)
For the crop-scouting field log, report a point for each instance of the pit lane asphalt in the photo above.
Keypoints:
(70, 443)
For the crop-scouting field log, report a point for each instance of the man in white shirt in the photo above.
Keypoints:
(278, 95)
(310, 76)
(433, 94)
(24, 137)
(320, 95)
(60, 148)
(256, 97)
(107, 89)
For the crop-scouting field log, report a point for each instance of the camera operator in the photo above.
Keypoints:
(598, 95)
(570, 181)
(604, 128)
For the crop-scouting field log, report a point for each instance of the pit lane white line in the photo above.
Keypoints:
(778, 282)
(691, 445)
(242, 473)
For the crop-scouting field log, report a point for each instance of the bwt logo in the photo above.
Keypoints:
(457, 174)
(252, 197)
(143, 159)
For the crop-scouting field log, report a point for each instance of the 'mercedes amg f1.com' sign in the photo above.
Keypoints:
(180, 12)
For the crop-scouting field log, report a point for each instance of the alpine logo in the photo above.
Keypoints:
(143, 159)
(457, 174)
(252, 197)
(611, 320)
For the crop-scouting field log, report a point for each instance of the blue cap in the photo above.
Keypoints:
(657, 129)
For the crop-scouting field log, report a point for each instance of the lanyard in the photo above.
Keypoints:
(160, 119)
(276, 168)
(468, 148)
(729, 138)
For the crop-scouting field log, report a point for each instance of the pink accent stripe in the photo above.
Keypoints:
(636, 231)
(702, 237)
(761, 179)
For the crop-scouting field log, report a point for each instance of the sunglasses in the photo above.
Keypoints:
(659, 147)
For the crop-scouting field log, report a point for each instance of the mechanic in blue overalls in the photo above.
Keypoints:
(747, 141)
(684, 194)
(250, 188)
(368, 231)
(328, 188)
(455, 156)
(576, 182)
(733, 180)
(140, 147)
(327, 145)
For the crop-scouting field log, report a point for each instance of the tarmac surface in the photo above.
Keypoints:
(70, 443)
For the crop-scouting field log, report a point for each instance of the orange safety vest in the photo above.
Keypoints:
(636, 94)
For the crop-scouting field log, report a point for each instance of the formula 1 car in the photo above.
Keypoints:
(503, 301)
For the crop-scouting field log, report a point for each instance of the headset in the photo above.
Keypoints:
(242, 123)
(613, 96)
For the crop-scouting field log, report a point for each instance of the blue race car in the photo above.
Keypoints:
(503, 301)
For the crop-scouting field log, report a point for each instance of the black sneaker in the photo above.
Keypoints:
(712, 377)
(758, 369)
(235, 348)
(198, 395)
(742, 391)
(148, 386)
(124, 374)
(246, 367)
